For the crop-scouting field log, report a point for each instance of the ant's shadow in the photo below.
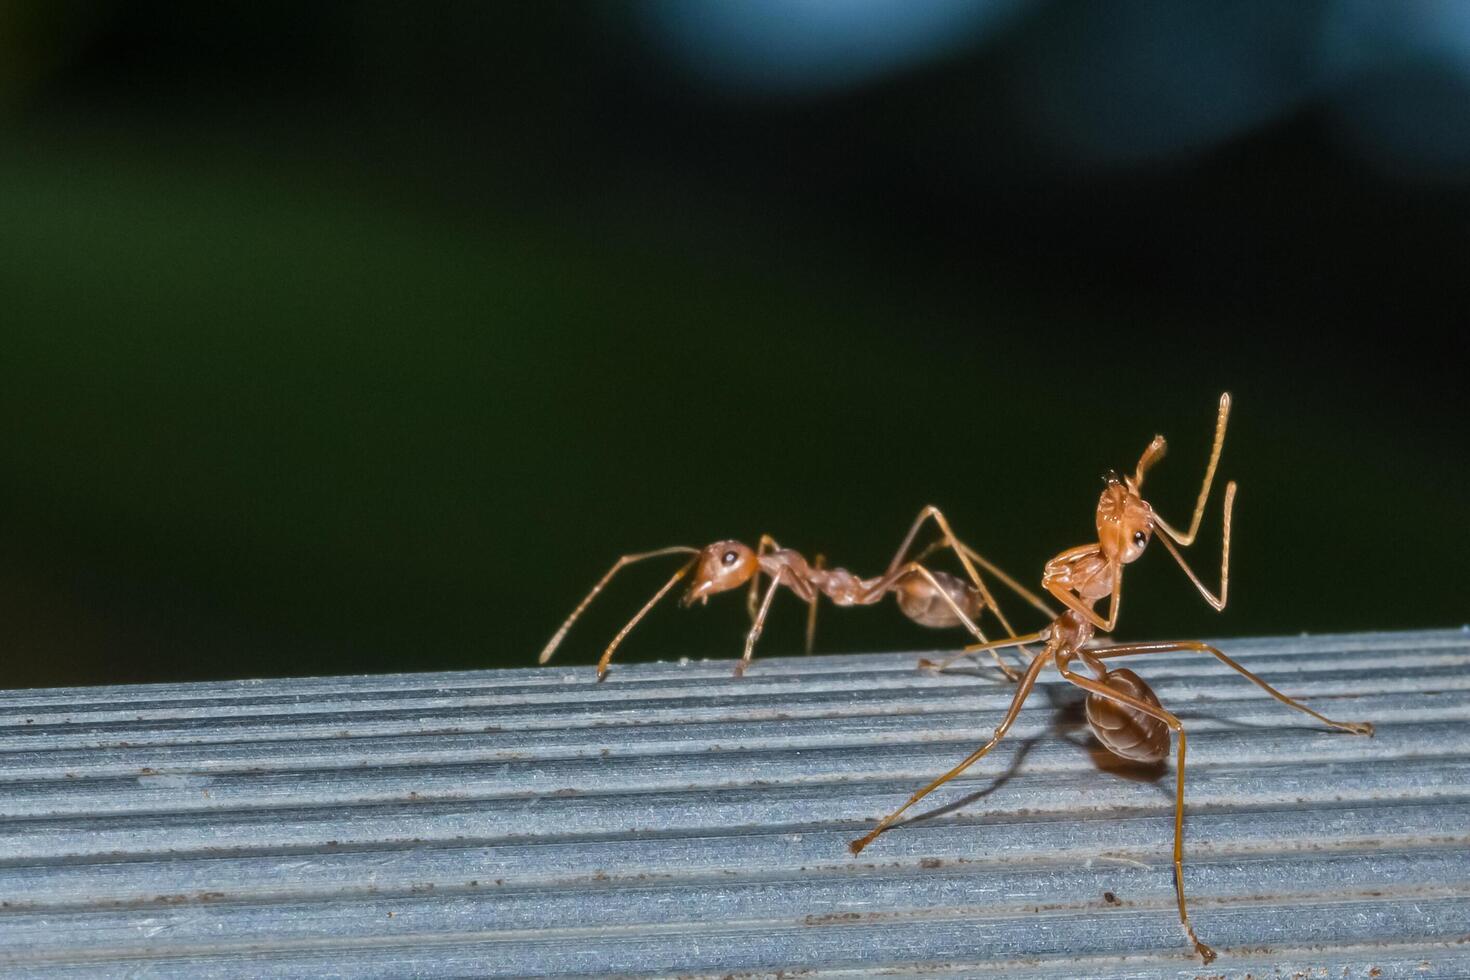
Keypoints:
(1069, 721)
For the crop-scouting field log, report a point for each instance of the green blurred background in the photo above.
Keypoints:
(353, 337)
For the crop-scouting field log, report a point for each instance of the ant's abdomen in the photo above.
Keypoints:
(924, 604)
(1123, 730)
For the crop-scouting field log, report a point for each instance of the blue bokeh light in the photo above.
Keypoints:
(1405, 102)
(1118, 84)
(1127, 83)
(766, 47)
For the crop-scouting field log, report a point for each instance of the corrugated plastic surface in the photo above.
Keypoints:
(674, 821)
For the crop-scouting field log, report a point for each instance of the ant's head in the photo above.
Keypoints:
(1125, 521)
(720, 566)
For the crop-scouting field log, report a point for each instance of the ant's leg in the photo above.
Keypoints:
(927, 664)
(1014, 586)
(1217, 603)
(993, 569)
(887, 582)
(607, 654)
(1180, 646)
(560, 634)
(767, 543)
(908, 539)
(1152, 454)
(818, 563)
(974, 648)
(1027, 682)
(759, 624)
(1103, 690)
(1074, 602)
(949, 540)
(966, 555)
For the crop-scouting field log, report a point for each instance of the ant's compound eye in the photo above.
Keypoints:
(1139, 538)
(729, 558)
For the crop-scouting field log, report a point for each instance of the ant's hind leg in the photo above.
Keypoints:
(886, 584)
(994, 569)
(818, 563)
(1181, 646)
(949, 540)
(1117, 697)
(968, 558)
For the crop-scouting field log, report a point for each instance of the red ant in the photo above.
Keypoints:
(1124, 713)
(928, 597)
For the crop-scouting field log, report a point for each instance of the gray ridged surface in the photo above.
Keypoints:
(676, 821)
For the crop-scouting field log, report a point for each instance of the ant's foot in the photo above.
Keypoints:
(1360, 727)
(938, 666)
(1205, 952)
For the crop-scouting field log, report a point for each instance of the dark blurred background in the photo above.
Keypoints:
(345, 337)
